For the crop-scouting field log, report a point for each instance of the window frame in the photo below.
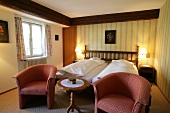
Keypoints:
(31, 41)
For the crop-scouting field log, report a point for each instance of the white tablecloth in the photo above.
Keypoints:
(67, 83)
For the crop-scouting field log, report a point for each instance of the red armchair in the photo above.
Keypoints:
(36, 80)
(121, 93)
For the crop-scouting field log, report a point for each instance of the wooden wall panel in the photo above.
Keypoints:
(69, 45)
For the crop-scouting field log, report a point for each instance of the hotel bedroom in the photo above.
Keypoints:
(150, 32)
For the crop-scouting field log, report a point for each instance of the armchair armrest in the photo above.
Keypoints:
(53, 72)
(104, 86)
(51, 78)
(23, 77)
(142, 94)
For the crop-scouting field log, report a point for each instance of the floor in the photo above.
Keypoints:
(85, 100)
(159, 103)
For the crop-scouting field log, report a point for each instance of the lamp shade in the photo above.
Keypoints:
(142, 53)
(78, 49)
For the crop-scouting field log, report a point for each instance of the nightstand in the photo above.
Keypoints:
(147, 72)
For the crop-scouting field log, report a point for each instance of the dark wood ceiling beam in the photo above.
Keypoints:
(118, 17)
(32, 8)
(35, 9)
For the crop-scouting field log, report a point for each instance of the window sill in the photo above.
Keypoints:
(34, 58)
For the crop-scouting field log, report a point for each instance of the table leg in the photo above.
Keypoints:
(72, 105)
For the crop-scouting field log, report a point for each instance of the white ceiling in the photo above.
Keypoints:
(79, 8)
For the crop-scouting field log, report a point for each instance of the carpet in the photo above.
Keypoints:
(84, 99)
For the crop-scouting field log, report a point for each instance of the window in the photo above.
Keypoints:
(33, 39)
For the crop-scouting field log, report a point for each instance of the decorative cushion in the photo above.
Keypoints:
(35, 88)
(114, 103)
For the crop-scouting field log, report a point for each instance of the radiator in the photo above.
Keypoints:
(31, 62)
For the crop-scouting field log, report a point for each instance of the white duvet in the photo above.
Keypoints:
(118, 66)
(81, 67)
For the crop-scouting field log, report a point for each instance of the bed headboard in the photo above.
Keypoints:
(131, 56)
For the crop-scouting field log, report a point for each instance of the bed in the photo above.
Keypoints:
(97, 64)
(81, 69)
(119, 61)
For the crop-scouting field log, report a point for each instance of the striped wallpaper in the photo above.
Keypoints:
(128, 35)
(162, 53)
(153, 35)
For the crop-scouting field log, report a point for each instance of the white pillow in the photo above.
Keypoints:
(100, 62)
(94, 58)
(126, 61)
(115, 61)
(122, 60)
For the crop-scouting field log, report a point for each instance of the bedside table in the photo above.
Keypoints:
(147, 72)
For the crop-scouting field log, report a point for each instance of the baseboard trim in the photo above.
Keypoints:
(163, 94)
(8, 90)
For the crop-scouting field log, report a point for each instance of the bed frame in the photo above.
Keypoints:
(113, 55)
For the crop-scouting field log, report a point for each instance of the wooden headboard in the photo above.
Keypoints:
(113, 55)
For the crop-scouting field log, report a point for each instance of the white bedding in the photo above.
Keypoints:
(82, 67)
(117, 66)
(93, 70)
(89, 76)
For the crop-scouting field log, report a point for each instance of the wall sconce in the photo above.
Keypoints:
(142, 53)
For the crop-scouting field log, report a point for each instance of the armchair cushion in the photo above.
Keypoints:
(35, 88)
(116, 103)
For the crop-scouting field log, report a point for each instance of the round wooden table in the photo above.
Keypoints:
(80, 85)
